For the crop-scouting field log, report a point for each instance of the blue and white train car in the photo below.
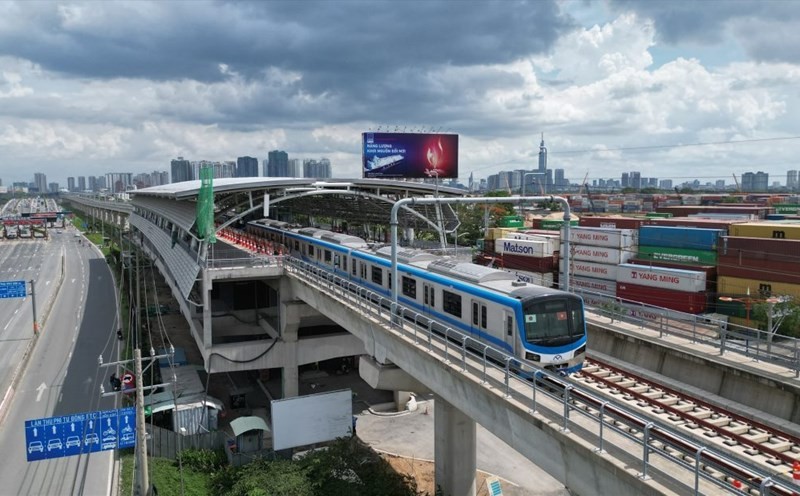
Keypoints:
(536, 324)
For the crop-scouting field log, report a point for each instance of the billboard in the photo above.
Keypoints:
(409, 155)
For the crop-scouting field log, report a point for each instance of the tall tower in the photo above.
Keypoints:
(542, 156)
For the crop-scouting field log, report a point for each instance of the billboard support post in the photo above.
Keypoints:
(393, 222)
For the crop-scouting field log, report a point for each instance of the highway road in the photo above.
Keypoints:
(62, 375)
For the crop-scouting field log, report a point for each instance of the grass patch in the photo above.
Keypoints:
(164, 473)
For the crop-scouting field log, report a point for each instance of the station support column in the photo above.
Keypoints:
(207, 321)
(289, 311)
(455, 448)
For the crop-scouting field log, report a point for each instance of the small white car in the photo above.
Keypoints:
(54, 444)
(73, 441)
(35, 446)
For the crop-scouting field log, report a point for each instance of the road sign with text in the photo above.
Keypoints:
(12, 289)
(67, 435)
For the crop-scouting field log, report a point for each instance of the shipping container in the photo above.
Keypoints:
(701, 222)
(710, 270)
(749, 269)
(754, 212)
(581, 268)
(599, 254)
(592, 285)
(678, 255)
(776, 217)
(621, 239)
(662, 277)
(660, 215)
(524, 247)
(612, 222)
(538, 278)
(552, 241)
(510, 221)
(758, 288)
(556, 225)
(743, 250)
(786, 208)
(773, 229)
(680, 301)
(679, 237)
(733, 308)
(522, 262)
(498, 232)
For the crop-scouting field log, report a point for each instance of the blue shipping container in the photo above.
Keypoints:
(776, 217)
(679, 237)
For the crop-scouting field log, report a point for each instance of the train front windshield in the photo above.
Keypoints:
(554, 321)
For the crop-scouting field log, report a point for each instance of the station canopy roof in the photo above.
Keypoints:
(356, 201)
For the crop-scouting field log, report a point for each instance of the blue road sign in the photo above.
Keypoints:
(13, 289)
(55, 437)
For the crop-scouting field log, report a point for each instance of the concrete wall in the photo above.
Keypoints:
(774, 395)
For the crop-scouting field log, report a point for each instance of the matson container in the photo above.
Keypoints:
(581, 268)
(759, 288)
(677, 255)
(775, 230)
(551, 241)
(621, 239)
(524, 247)
(600, 254)
(537, 278)
(659, 277)
(681, 301)
(679, 237)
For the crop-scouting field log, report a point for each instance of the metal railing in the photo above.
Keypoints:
(726, 337)
(611, 427)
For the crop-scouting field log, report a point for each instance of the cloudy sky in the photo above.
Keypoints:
(93, 87)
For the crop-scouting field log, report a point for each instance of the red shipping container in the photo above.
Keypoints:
(684, 210)
(531, 264)
(613, 222)
(679, 301)
(698, 222)
(760, 258)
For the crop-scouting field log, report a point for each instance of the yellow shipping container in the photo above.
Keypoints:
(776, 230)
(758, 288)
(498, 232)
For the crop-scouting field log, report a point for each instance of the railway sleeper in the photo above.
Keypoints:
(626, 383)
(686, 407)
(780, 445)
(640, 389)
(738, 428)
(757, 436)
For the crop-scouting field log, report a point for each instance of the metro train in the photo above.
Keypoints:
(535, 324)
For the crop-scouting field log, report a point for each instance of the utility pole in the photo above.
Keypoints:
(33, 304)
(141, 432)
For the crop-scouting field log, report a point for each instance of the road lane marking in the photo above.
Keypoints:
(39, 391)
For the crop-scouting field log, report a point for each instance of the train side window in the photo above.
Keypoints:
(344, 263)
(311, 249)
(296, 245)
(363, 271)
(410, 287)
(483, 316)
(451, 303)
(510, 325)
(353, 269)
(475, 313)
(425, 293)
(377, 275)
(433, 297)
(328, 256)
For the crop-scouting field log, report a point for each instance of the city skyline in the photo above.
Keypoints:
(668, 89)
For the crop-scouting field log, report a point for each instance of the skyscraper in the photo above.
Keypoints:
(636, 180)
(625, 180)
(71, 184)
(81, 183)
(560, 181)
(246, 167)
(181, 170)
(791, 180)
(40, 180)
(277, 164)
(542, 156)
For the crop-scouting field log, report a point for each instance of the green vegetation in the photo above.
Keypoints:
(785, 314)
(345, 468)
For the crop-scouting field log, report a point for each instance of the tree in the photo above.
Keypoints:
(785, 316)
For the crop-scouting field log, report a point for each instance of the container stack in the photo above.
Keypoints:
(532, 257)
(595, 254)
(762, 259)
(675, 289)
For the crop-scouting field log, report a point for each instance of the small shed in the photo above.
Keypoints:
(249, 433)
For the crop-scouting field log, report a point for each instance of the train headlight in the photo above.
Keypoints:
(533, 357)
(580, 350)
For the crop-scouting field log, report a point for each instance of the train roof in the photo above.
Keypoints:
(342, 239)
(405, 255)
(470, 272)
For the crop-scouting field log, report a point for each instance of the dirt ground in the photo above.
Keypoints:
(423, 472)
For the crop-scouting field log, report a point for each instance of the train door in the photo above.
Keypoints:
(428, 298)
(478, 321)
(509, 331)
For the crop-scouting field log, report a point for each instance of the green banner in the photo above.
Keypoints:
(205, 206)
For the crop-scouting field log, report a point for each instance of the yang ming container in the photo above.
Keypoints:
(582, 268)
(660, 277)
(621, 239)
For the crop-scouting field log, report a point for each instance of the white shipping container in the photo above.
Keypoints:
(592, 285)
(523, 247)
(622, 239)
(552, 241)
(600, 254)
(582, 268)
(689, 281)
(539, 279)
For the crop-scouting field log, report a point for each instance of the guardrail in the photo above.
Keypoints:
(613, 425)
(752, 343)
(253, 261)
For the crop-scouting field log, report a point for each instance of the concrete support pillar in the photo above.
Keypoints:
(207, 326)
(289, 318)
(455, 450)
(400, 400)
